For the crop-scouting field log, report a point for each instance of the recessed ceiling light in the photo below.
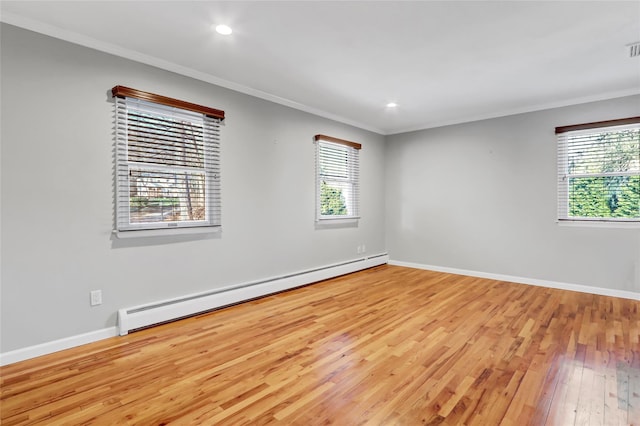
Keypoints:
(223, 29)
(392, 105)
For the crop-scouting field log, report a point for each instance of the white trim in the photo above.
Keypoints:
(337, 223)
(29, 352)
(521, 280)
(629, 224)
(92, 43)
(164, 232)
(205, 301)
(598, 175)
(75, 38)
(515, 111)
(338, 219)
(160, 311)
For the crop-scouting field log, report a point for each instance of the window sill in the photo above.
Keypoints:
(338, 222)
(598, 224)
(339, 219)
(143, 233)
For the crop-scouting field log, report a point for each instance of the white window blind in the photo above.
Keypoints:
(167, 166)
(599, 171)
(337, 178)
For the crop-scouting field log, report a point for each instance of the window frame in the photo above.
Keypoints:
(563, 134)
(353, 179)
(207, 121)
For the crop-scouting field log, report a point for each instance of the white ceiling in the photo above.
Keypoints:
(443, 62)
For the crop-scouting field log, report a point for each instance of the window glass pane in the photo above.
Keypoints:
(166, 196)
(167, 165)
(337, 180)
(605, 197)
(615, 151)
(159, 140)
(334, 198)
(599, 173)
(334, 161)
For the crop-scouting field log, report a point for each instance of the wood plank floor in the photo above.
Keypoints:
(385, 346)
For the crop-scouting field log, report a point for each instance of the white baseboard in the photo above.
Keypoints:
(521, 280)
(135, 317)
(34, 351)
(221, 297)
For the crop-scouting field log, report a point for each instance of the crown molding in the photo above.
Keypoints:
(92, 43)
(79, 39)
(515, 111)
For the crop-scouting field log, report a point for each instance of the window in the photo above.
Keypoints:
(599, 171)
(167, 162)
(337, 174)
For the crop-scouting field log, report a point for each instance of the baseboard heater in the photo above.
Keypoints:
(143, 316)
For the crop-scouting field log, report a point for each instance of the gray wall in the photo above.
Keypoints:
(481, 196)
(477, 196)
(57, 193)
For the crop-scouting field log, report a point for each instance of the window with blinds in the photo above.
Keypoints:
(337, 178)
(599, 171)
(167, 162)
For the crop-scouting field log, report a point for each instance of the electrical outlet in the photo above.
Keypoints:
(363, 249)
(96, 297)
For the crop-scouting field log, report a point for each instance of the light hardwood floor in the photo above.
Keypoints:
(385, 346)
